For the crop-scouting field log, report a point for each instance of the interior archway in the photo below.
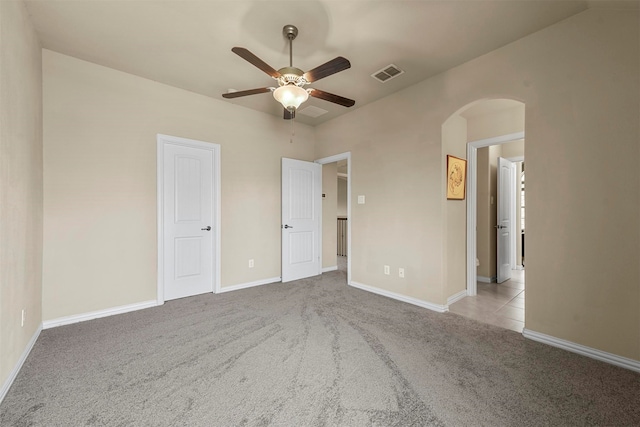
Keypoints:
(480, 132)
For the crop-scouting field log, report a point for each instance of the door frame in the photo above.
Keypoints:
(163, 140)
(331, 159)
(472, 202)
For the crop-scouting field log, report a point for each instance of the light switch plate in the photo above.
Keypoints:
(361, 200)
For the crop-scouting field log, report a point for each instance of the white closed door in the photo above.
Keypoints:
(506, 190)
(188, 217)
(301, 210)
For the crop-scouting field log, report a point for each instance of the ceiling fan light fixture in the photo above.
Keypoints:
(290, 96)
(291, 80)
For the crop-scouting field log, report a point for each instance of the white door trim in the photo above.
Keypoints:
(162, 140)
(472, 202)
(331, 159)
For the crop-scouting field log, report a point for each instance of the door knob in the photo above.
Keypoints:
(287, 226)
(206, 229)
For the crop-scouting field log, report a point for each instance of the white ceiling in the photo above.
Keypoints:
(187, 44)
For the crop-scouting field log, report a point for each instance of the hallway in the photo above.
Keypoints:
(497, 304)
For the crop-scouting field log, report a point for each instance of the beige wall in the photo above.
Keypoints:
(483, 215)
(495, 151)
(20, 184)
(329, 213)
(496, 123)
(342, 197)
(454, 142)
(583, 275)
(100, 129)
(513, 149)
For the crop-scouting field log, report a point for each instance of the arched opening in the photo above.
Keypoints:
(483, 232)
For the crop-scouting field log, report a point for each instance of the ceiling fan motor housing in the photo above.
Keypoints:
(291, 75)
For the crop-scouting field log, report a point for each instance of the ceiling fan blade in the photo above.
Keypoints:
(288, 115)
(336, 99)
(250, 57)
(334, 66)
(240, 93)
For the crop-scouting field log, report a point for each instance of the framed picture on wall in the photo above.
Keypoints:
(456, 178)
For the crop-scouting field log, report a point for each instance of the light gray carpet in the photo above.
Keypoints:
(309, 353)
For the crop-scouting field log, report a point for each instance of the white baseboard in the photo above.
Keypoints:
(16, 369)
(603, 356)
(486, 279)
(68, 320)
(456, 297)
(327, 269)
(250, 284)
(403, 298)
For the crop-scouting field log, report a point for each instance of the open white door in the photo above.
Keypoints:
(506, 190)
(301, 211)
(187, 217)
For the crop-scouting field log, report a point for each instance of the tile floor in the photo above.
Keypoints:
(498, 304)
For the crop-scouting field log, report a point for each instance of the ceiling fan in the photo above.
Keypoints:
(291, 81)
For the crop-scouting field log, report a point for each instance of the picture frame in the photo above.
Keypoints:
(456, 178)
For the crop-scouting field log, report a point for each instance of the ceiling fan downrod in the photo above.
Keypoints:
(290, 32)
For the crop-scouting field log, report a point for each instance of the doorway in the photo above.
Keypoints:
(500, 304)
(188, 182)
(336, 218)
(494, 128)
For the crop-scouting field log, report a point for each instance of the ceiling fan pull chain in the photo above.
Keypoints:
(293, 131)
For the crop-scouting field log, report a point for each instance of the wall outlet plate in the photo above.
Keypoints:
(387, 270)
(401, 272)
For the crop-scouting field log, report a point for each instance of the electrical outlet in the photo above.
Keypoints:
(24, 317)
(401, 272)
(250, 263)
(387, 270)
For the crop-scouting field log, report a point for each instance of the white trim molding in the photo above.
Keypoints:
(16, 369)
(603, 356)
(249, 284)
(424, 304)
(456, 297)
(68, 320)
(328, 269)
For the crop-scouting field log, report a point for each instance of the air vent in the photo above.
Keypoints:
(387, 73)
(312, 111)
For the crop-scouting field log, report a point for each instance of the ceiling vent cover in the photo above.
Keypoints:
(312, 111)
(387, 73)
